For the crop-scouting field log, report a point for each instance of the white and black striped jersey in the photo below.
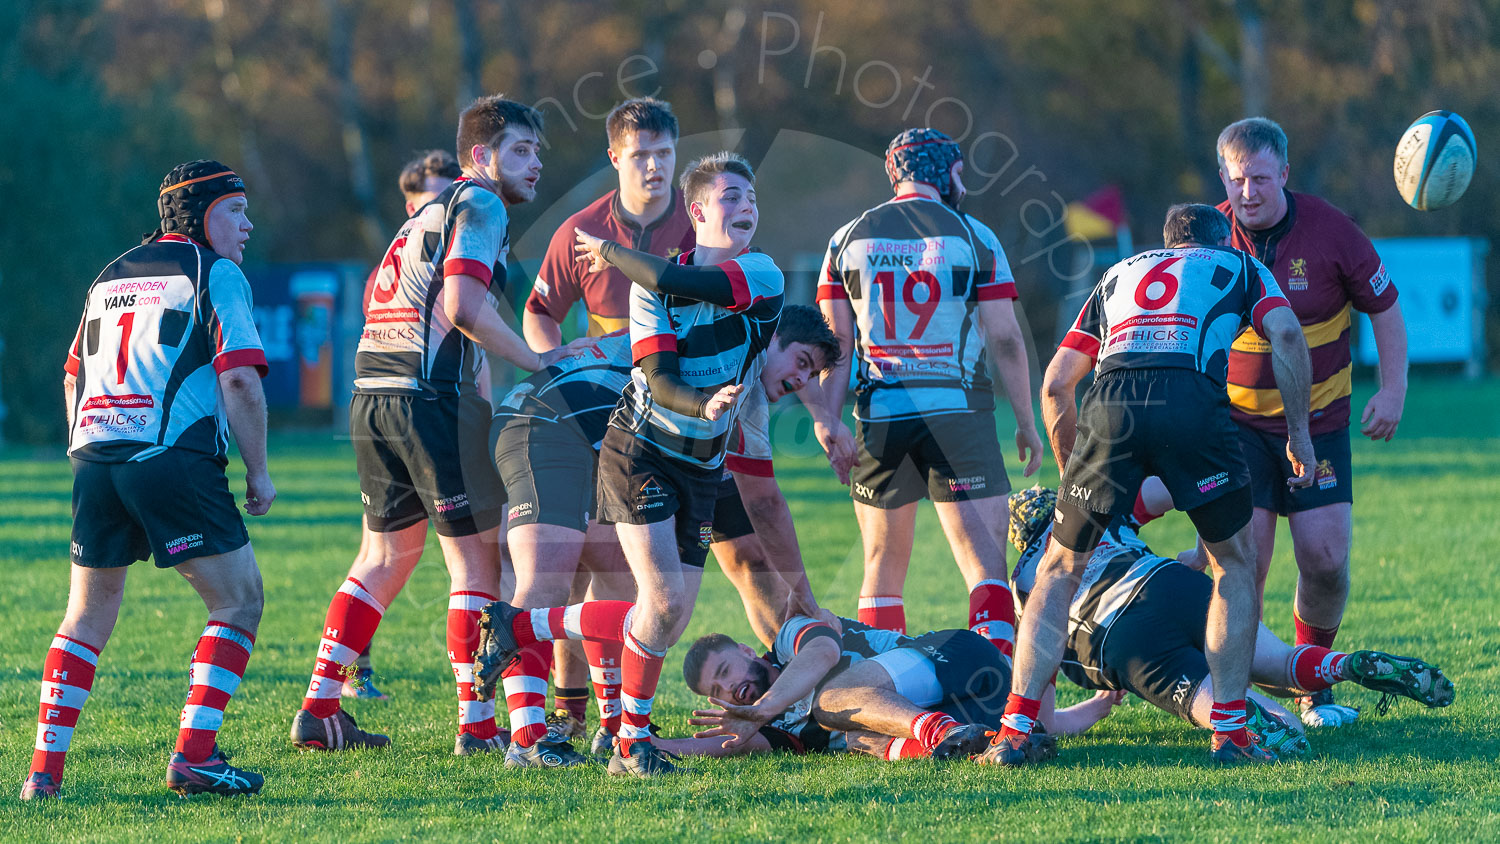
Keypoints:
(1116, 572)
(1174, 308)
(915, 270)
(159, 325)
(858, 643)
(409, 345)
(581, 389)
(715, 346)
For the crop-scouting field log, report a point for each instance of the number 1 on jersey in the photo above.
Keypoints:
(886, 282)
(122, 358)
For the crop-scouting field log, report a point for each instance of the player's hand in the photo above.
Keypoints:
(259, 493)
(1382, 414)
(838, 443)
(573, 349)
(1115, 698)
(737, 724)
(721, 401)
(590, 249)
(1299, 450)
(1029, 450)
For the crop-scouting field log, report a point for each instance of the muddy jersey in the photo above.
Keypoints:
(914, 271)
(159, 325)
(715, 347)
(581, 389)
(1117, 570)
(1174, 309)
(1327, 268)
(409, 346)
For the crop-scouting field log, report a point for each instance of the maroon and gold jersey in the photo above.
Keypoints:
(1325, 267)
(562, 280)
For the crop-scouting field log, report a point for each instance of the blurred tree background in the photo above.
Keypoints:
(318, 104)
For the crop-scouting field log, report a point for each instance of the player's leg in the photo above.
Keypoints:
(545, 558)
(1301, 669)
(896, 694)
(473, 561)
(361, 685)
(761, 589)
(570, 676)
(609, 580)
(967, 484)
(1229, 639)
(1264, 457)
(887, 535)
(1321, 539)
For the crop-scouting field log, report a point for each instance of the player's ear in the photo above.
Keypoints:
(695, 211)
(614, 157)
(481, 155)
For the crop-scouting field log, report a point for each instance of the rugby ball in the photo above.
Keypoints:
(1435, 160)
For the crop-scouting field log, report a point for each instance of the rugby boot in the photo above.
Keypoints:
(962, 742)
(472, 745)
(564, 727)
(497, 646)
(644, 760)
(1403, 676)
(603, 742)
(213, 775)
(545, 754)
(1014, 751)
(336, 732)
(1319, 710)
(39, 786)
(362, 686)
(1282, 739)
(1224, 751)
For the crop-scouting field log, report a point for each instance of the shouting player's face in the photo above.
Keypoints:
(646, 161)
(1254, 184)
(726, 217)
(735, 675)
(788, 370)
(513, 166)
(228, 228)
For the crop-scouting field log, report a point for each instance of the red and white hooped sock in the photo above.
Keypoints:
(1314, 669)
(604, 674)
(1228, 718)
(930, 727)
(1309, 635)
(353, 616)
(525, 685)
(905, 748)
(1140, 512)
(640, 672)
(992, 614)
(598, 621)
(67, 679)
(475, 717)
(218, 664)
(1020, 716)
(887, 612)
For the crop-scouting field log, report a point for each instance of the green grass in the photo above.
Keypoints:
(1427, 521)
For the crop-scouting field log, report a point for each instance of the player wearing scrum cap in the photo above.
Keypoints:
(166, 363)
(922, 292)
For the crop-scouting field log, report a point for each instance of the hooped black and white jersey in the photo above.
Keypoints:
(581, 389)
(858, 643)
(915, 270)
(1174, 308)
(1117, 570)
(715, 347)
(159, 325)
(409, 345)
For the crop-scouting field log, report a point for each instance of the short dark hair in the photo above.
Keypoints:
(804, 324)
(1194, 223)
(705, 647)
(1247, 137)
(433, 162)
(486, 120)
(702, 172)
(642, 114)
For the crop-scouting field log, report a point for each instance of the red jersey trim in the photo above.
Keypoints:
(242, 357)
(742, 465)
(998, 290)
(1263, 307)
(1079, 341)
(468, 266)
(652, 345)
(738, 284)
(70, 366)
(827, 292)
(811, 628)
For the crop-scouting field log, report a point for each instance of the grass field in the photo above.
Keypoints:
(1427, 523)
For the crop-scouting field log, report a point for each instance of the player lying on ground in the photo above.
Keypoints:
(1137, 624)
(547, 435)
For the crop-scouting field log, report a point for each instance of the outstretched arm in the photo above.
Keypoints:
(1078, 717)
(701, 284)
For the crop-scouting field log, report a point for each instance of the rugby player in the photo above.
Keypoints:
(1327, 268)
(922, 293)
(1157, 330)
(420, 420)
(699, 331)
(1136, 624)
(166, 362)
(548, 432)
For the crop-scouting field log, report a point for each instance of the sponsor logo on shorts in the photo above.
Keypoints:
(933, 653)
(522, 509)
(77, 550)
(364, 498)
(452, 502)
(863, 491)
(1213, 482)
(969, 484)
(184, 543)
(1325, 475)
(1180, 691)
(1297, 275)
(705, 534)
(1076, 491)
(651, 489)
